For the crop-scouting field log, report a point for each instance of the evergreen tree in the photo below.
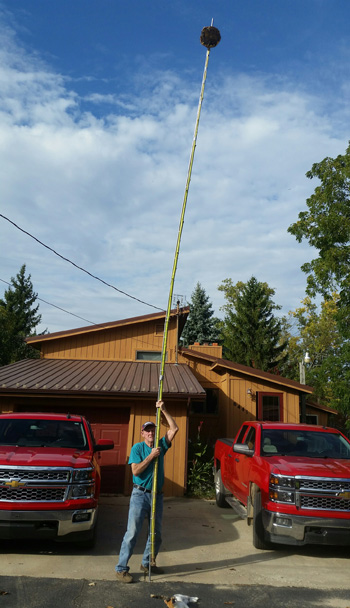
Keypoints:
(18, 319)
(252, 335)
(201, 326)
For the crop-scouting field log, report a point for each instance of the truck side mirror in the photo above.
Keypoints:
(104, 444)
(243, 448)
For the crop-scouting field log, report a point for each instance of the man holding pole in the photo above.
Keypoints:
(142, 460)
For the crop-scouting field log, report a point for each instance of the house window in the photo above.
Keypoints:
(270, 406)
(209, 406)
(311, 419)
(148, 355)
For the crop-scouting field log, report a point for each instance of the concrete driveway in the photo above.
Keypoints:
(206, 551)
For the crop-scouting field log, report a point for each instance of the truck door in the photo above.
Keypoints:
(241, 468)
(230, 476)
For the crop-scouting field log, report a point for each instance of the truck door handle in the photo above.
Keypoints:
(237, 459)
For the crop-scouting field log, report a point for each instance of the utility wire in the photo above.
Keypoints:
(142, 341)
(59, 308)
(79, 267)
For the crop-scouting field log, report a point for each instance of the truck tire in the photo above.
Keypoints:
(220, 491)
(259, 541)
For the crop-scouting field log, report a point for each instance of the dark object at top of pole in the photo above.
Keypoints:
(210, 36)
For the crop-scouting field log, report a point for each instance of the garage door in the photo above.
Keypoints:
(106, 423)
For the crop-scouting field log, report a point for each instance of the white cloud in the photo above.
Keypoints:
(106, 191)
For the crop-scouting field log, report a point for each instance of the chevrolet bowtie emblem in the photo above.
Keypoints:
(15, 483)
(344, 495)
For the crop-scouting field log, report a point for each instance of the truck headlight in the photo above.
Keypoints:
(82, 491)
(282, 481)
(282, 489)
(83, 474)
(282, 496)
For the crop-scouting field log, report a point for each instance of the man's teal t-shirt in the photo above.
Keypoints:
(138, 453)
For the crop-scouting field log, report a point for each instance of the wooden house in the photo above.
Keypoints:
(236, 393)
(110, 372)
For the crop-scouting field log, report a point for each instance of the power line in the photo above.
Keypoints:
(79, 267)
(59, 308)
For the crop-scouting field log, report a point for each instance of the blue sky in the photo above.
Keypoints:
(97, 111)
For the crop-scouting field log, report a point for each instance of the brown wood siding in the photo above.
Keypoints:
(322, 417)
(213, 349)
(235, 404)
(291, 407)
(116, 344)
(245, 405)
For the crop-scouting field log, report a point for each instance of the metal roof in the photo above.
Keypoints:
(182, 315)
(320, 406)
(107, 378)
(218, 364)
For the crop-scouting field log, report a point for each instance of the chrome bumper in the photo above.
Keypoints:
(46, 524)
(302, 530)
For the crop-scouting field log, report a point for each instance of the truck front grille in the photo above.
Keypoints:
(329, 485)
(327, 503)
(31, 494)
(325, 494)
(34, 484)
(36, 474)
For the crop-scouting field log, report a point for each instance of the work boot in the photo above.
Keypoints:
(123, 576)
(154, 569)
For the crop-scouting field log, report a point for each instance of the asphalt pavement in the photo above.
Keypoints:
(28, 592)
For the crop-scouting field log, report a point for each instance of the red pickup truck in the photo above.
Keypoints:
(291, 482)
(49, 477)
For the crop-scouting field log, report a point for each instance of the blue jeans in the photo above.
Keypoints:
(140, 509)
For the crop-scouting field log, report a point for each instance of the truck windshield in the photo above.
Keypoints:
(308, 444)
(43, 433)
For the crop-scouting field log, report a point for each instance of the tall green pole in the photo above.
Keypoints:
(210, 37)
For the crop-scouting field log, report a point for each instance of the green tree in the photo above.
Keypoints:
(201, 325)
(18, 319)
(252, 335)
(326, 226)
(315, 330)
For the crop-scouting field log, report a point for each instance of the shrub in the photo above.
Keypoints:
(200, 467)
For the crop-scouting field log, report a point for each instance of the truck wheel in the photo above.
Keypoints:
(220, 491)
(259, 541)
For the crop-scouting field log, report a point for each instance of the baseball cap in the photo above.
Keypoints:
(147, 425)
